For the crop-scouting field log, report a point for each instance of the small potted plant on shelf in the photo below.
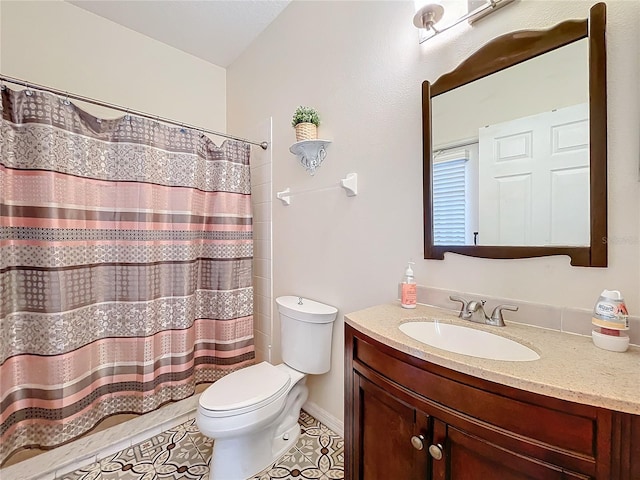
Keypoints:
(306, 122)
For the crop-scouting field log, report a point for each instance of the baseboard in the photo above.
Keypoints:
(325, 417)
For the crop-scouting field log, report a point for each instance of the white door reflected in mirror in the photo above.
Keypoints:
(534, 180)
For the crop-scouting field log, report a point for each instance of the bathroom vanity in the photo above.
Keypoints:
(417, 412)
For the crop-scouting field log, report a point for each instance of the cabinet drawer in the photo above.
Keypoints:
(559, 425)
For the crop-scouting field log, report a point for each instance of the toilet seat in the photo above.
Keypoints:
(244, 390)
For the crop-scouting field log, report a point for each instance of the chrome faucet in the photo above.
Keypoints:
(474, 311)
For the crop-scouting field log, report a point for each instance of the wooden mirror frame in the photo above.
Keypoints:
(506, 51)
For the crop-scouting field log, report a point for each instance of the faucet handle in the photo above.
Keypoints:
(463, 307)
(475, 305)
(496, 315)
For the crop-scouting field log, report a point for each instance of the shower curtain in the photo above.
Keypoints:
(125, 266)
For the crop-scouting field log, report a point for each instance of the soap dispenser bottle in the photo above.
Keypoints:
(408, 296)
(611, 320)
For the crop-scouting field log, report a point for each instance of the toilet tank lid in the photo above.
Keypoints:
(250, 386)
(308, 310)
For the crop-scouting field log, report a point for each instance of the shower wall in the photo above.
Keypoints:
(261, 195)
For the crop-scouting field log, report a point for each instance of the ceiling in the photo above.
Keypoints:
(217, 31)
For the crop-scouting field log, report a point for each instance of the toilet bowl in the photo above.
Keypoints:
(252, 414)
(249, 427)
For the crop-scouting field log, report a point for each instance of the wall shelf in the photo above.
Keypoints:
(310, 153)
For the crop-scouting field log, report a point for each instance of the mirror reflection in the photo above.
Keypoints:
(511, 167)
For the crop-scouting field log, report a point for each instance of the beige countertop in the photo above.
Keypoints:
(570, 367)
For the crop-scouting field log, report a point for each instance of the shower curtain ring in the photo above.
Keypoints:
(28, 91)
(66, 99)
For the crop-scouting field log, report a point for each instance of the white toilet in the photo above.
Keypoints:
(252, 413)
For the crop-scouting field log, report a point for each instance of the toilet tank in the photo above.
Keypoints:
(306, 327)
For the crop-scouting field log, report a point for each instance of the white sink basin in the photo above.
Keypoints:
(468, 341)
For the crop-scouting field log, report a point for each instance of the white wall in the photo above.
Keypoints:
(360, 65)
(59, 45)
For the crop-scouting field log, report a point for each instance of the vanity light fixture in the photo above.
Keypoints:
(434, 17)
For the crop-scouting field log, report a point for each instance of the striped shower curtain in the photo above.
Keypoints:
(125, 266)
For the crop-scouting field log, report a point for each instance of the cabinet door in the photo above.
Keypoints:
(383, 435)
(467, 457)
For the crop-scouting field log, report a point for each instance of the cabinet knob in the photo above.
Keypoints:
(418, 442)
(435, 451)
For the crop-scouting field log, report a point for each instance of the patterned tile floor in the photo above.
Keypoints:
(184, 453)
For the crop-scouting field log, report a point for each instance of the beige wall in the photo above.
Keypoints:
(57, 44)
(360, 65)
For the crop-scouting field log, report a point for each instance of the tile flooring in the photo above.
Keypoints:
(183, 453)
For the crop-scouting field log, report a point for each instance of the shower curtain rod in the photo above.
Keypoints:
(24, 83)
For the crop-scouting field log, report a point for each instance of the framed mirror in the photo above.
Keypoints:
(515, 148)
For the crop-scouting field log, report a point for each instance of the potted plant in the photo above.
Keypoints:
(306, 122)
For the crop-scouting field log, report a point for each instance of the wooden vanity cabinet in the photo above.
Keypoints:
(390, 426)
(407, 419)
